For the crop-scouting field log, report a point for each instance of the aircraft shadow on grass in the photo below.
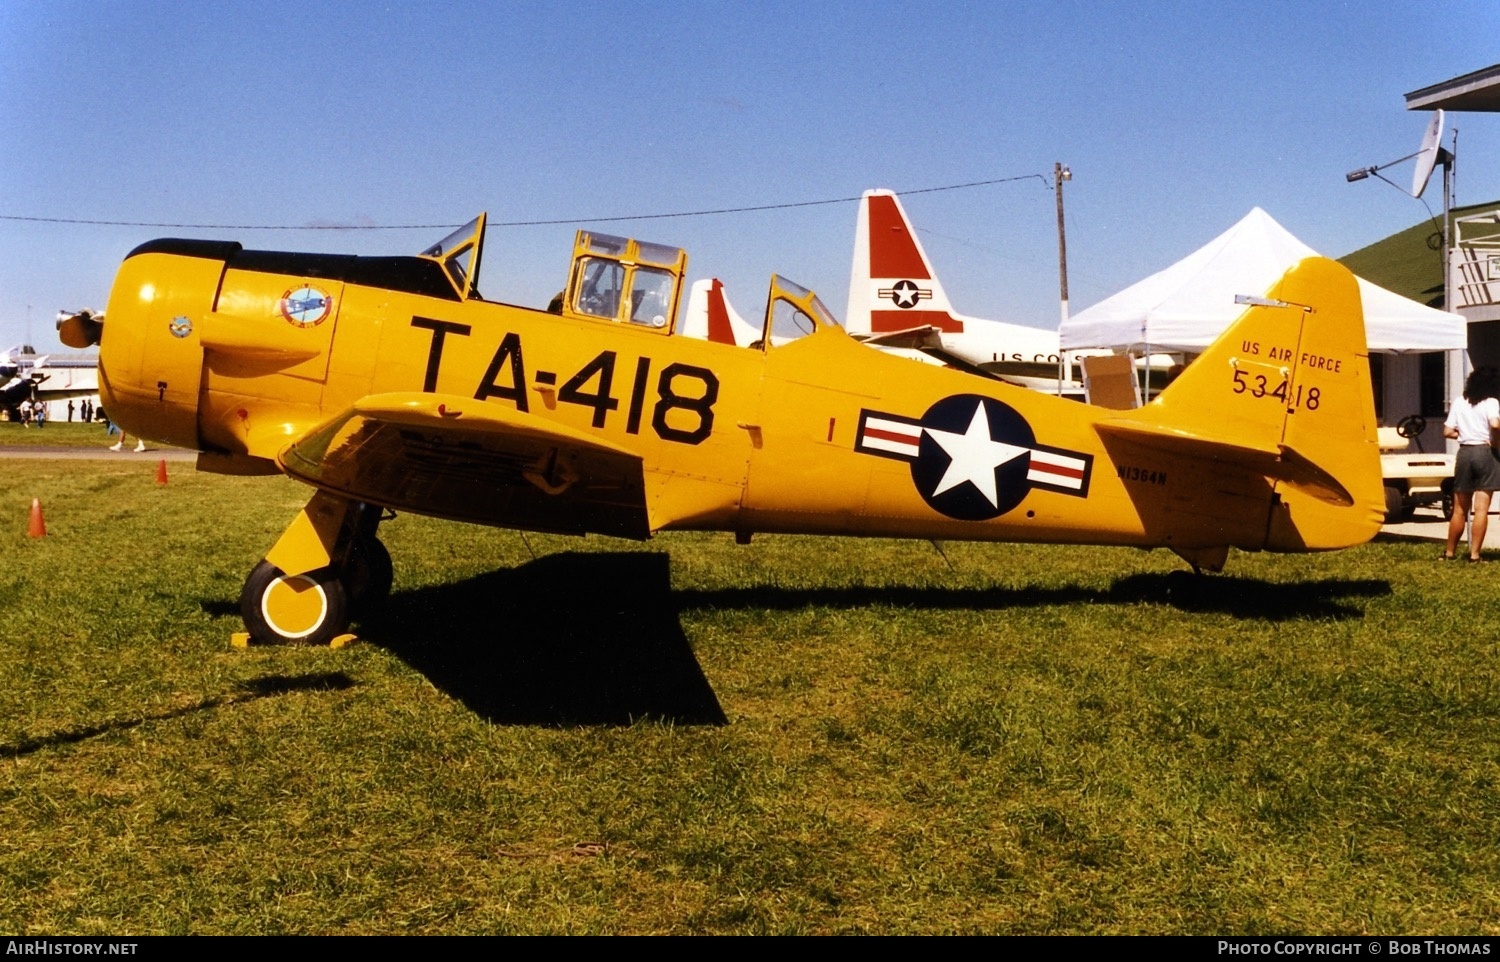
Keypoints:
(1241, 597)
(1326, 598)
(266, 686)
(569, 639)
(596, 638)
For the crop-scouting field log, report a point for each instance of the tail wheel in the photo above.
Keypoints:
(368, 576)
(305, 609)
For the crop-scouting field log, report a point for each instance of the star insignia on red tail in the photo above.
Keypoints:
(905, 294)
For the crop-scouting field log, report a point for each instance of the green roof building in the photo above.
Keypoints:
(1411, 263)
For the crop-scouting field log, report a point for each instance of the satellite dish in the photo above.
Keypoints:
(1427, 154)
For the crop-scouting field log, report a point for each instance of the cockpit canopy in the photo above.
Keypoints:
(628, 281)
(793, 311)
(459, 254)
(625, 280)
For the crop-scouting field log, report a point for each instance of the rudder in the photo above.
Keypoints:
(892, 285)
(1286, 392)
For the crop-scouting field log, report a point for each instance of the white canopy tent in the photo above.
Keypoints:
(1186, 306)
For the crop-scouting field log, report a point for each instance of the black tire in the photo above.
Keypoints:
(306, 609)
(368, 576)
(1395, 505)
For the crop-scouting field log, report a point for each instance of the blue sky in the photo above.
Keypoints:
(1176, 119)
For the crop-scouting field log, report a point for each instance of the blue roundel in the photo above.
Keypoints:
(974, 457)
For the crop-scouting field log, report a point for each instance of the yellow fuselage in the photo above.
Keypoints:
(819, 435)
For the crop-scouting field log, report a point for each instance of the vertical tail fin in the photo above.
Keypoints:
(892, 286)
(711, 317)
(1285, 392)
(893, 289)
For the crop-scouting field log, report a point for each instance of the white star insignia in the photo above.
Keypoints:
(975, 456)
(905, 294)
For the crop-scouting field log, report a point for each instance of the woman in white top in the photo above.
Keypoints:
(1472, 421)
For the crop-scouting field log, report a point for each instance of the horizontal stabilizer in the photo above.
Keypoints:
(1277, 461)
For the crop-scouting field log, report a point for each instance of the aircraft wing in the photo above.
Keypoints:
(458, 458)
(1039, 370)
(918, 338)
(928, 340)
(959, 363)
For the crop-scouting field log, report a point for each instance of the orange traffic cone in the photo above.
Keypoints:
(161, 471)
(38, 526)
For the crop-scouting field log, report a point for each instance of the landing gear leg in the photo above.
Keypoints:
(368, 572)
(301, 592)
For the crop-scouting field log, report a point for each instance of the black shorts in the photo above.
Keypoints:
(1476, 469)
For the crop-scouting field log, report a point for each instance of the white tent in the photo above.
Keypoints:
(1186, 306)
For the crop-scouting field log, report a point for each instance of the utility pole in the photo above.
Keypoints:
(1060, 174)
(1449, 159)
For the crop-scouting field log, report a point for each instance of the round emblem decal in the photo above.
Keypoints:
(974, 457)
(306, 307)
(180, 326)
(905, 294)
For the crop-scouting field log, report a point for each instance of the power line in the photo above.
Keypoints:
(514, 223)
(150, 223)
(742, 210)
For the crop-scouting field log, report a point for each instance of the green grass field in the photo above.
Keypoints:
(550, 735)
(63, 434)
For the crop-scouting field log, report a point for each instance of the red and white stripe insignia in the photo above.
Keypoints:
(1057, 470)
(900, 438)
(1047, 469)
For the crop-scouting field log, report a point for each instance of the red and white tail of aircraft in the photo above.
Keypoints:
(711, 317)
(896, 301)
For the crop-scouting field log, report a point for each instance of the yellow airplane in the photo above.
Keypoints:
(390, 383)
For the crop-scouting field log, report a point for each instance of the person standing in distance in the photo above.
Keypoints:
(1472, 421)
